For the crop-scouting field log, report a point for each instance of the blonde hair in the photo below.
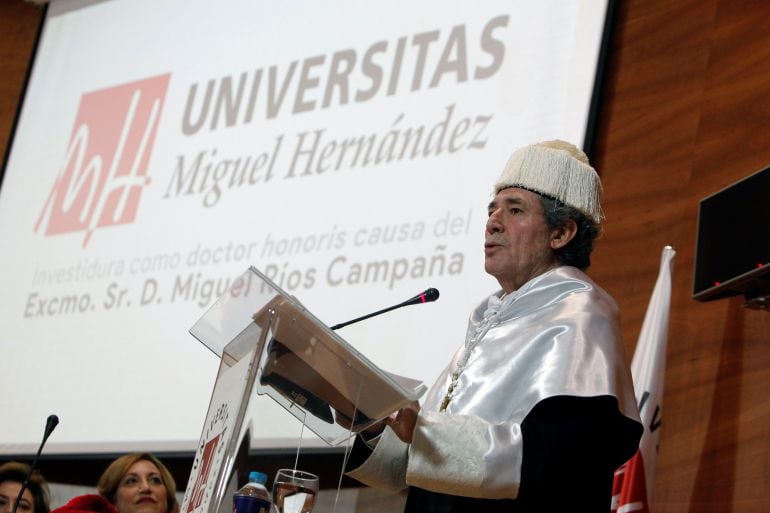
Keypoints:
(110, 479)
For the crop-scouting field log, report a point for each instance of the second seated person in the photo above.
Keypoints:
(139, 483)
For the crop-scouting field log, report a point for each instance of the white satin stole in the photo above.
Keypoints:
(558, 334)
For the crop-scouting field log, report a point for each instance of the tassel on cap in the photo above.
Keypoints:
(557, 169)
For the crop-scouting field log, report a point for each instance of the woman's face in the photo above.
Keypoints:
(141, 490)
(9, 490)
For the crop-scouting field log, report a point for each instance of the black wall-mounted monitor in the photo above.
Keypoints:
(732, 251)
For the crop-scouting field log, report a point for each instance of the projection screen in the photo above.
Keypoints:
(346, 149)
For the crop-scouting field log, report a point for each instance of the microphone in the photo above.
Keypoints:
(426, 296)
(50, 424)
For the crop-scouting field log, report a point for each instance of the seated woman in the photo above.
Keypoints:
(139, 483)
(35, 497)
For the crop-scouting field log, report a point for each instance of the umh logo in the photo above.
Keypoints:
(105, 168)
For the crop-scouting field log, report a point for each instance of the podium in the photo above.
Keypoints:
(269, 343)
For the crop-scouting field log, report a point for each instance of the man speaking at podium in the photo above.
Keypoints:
(536, 410)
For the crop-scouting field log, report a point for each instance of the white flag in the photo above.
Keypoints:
(632, 488)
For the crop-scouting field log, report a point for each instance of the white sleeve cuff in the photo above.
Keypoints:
(386, 467)
(465, 455)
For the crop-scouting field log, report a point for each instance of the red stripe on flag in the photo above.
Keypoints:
(629, 488)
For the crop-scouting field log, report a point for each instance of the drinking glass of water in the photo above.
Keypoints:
(294, 491)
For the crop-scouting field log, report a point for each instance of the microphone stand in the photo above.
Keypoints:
(364, 317)
(51, 423)
(424, 297)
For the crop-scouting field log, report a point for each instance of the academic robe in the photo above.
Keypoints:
(534, 412)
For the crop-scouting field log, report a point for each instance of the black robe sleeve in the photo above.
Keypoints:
(571, 448)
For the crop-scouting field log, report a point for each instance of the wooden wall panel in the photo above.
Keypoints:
(19, 22)
(687, 101)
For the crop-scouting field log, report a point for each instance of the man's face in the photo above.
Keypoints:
(517, 240)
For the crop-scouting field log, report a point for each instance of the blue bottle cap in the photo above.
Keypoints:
(257, 477)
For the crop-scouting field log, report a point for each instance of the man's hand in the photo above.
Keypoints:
(403, 421)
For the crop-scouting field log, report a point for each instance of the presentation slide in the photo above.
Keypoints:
(346, 149)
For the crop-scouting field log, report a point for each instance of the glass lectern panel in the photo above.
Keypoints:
(270, 343)
(303, 365)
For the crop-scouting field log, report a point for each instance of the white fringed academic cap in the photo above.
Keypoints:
(557, 169)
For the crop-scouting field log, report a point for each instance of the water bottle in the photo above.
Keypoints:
(253, 497)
